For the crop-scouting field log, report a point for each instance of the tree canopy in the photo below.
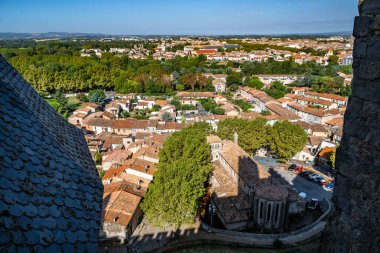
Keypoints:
(254, 82)
(173, 198)
(277, 90)
(284, 139)
(52, 66)
(252, 133)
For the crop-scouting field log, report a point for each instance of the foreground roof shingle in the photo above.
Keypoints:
(50, 193)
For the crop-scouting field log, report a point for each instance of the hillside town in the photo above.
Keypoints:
(126, 150)
(277, 49)
(241, 131)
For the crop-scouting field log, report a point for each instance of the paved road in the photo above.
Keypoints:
(311, 189)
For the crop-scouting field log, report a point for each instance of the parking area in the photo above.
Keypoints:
(296, 181)
(301, 184)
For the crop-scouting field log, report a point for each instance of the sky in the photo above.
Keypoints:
(180, 17)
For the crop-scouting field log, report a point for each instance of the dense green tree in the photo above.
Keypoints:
(189, 80)
(234, 78)
(277, 90)
(286, 139)
(332, 159)
(173, 198)
(166, 117)
(96, 96)
(180, 87)
(217, 111)
(245, 106)
(156, 108)
(98, 158)
(124, 86)
(211, 106)
(176, 103)
(252, 133)
(254, 82)
(82, 97)
(333, 59)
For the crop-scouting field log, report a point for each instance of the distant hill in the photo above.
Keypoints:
(65, 35)
(49, 35)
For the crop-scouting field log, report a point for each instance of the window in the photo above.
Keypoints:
(268, 211)
(277, 212)
(261, 210)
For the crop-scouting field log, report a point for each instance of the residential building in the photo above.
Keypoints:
(341, 101)
(310, 114)
(285, 79)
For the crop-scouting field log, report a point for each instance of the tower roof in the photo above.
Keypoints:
(50, 193)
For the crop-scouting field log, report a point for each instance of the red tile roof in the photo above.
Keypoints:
(326, 95)
(308, 110)
(195, 94)
(206, 51)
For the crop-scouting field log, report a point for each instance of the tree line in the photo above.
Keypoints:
(58, 66)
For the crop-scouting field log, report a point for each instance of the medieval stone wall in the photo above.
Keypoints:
(355, 223)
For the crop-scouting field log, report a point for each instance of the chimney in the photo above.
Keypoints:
(236, 138)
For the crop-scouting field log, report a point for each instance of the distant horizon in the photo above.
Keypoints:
(334, 33)
(169, 17)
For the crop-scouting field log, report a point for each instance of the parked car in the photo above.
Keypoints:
(298, 169)
(323, 182)
(330, 186)
(292, 167)
(318, 179)
(311, 176)
(306, 173)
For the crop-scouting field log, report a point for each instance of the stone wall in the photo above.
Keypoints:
(355, 223)
(290, 238)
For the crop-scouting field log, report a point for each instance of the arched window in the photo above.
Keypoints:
(277, 211)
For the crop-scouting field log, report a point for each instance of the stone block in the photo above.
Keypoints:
(370, 7)
(360, 48)
(363, 26)
(366, 89)
(373, 48)
(376, 23)
(367, 69)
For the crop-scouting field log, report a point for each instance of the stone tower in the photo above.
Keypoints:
(355, 223)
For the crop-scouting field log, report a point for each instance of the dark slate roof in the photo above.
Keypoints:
(227, 46)
(211, 47)
(50, 193)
